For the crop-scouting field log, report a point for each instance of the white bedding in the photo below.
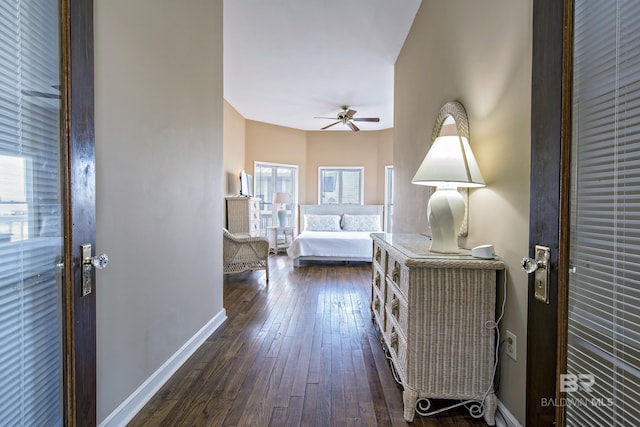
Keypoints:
(332, 244)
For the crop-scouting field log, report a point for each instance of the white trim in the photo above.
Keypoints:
(387, 211)
(504, 418)
(287, 165)
(136, 401)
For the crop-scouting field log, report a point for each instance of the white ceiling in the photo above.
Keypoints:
(287, 61)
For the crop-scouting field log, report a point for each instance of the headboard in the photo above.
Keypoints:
(335, 209)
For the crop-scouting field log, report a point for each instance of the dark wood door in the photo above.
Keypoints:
(79, 138)
(47, 211)
(550, 159)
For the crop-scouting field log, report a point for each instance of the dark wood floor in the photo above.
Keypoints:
(301, 352)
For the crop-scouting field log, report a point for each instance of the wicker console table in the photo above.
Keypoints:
(436, 315)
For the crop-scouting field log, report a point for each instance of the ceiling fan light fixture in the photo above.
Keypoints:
(346, 117)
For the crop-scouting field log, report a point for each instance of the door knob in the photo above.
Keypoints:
(530, 265)
(98, 261)
(541, 261)
(88, 261)
(539, 266)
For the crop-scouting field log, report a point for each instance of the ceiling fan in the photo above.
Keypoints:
(346, 118)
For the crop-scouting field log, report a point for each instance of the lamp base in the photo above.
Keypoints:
(445, 212)
(282, 217)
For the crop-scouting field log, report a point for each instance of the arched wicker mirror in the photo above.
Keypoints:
(452, 119)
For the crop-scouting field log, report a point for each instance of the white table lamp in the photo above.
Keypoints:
(282, 199)
(449, 164)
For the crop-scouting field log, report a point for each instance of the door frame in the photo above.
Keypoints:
(78, 188)
(551, 98)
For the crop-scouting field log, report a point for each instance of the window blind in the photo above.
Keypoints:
(30, 233)
(604, 289)
(340, 185)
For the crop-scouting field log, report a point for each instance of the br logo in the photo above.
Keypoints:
(571, 382)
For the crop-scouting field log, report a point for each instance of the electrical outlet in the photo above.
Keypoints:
(511, 345)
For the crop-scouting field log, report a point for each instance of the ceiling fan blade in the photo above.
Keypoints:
(366, 119)
(353, 127)
(330, 118)
(349, 114)
(328, 126)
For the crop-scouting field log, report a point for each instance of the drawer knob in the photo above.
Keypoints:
(395, 275)
(395, 307)
(394, 340)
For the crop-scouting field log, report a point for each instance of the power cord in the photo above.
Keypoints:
(490, 324)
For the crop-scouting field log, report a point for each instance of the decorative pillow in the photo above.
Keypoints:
(322, 222)
(361, 222)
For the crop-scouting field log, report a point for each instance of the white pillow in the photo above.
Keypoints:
(322, 222)
(361, 222)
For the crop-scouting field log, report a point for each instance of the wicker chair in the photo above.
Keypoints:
(242, 253)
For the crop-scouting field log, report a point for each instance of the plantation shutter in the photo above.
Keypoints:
(604, 286)
(30, 213)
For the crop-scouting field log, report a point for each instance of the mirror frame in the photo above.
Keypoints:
(455, 110)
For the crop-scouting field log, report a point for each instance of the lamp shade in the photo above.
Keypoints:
(449, 162)
(281, 197)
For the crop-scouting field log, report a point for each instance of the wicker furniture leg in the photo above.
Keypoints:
(490, 406)
(409, 398)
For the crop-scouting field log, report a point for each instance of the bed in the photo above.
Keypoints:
(335, 233)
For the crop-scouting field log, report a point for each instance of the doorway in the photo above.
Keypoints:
(275, 180)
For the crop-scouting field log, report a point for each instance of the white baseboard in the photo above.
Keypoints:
(504, 418)
(136, 401)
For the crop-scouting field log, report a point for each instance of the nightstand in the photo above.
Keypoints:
(279, 238)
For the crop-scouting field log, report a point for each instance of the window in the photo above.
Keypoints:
(603, 342)
(31, 361)
(388, 198)
(14, 224)
(272, 178)
(340, 185)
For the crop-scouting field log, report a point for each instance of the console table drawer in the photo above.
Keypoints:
(379, 257)
(379, 279)
(377, 309)
(397, 306)
(396, 343)
(398, 274)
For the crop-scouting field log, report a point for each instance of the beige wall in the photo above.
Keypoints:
(478, 53)
(308, 150)
(233, 149)
(276, 144)
(234, 136)
(365, 148)
(158, 107)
